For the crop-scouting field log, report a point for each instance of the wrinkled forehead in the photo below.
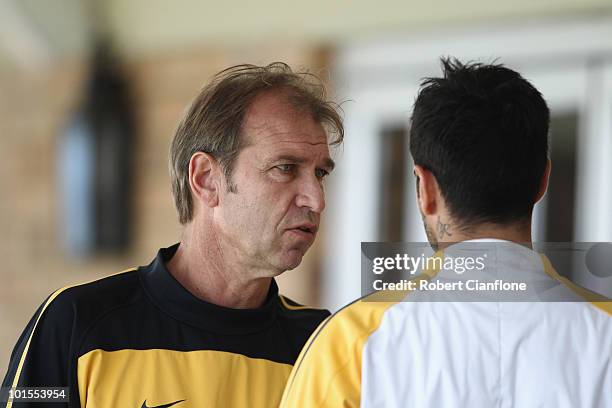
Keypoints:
(296, 147)
(272, 119)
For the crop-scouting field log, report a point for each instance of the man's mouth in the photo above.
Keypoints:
(305, 228)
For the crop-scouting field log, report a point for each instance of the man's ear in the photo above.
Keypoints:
(204, 179)
(544, 181)
(428, 191)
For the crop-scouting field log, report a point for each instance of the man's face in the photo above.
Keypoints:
(272, 216)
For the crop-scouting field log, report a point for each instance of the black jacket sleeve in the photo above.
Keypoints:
(43, 355)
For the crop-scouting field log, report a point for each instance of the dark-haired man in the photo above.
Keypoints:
(204, 325)
(479, 143)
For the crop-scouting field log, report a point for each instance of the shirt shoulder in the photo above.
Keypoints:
(84, 302)
(300, 315)
(327, 372)
(46, 351)
(70, 312)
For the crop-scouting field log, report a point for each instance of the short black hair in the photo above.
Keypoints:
(482, 130)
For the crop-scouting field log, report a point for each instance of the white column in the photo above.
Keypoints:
(594, 172)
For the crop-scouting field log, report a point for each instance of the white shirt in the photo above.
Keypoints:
(420, 353)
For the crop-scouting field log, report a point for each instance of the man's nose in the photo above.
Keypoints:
(311, 195)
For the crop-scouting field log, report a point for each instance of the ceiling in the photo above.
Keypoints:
(39, 32)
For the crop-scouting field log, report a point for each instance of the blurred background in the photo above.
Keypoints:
(91, 91)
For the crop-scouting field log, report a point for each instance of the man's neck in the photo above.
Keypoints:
(519, 233)
(201, 267)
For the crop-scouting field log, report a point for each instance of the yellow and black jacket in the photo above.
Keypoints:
(140, 339)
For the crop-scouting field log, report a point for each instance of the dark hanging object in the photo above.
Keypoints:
(96, 176)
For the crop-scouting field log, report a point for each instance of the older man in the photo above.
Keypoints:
(203, 325)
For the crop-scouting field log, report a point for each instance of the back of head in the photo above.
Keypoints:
(482, 130)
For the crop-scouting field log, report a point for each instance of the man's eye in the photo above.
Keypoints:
(320, 173)
(284, 168)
